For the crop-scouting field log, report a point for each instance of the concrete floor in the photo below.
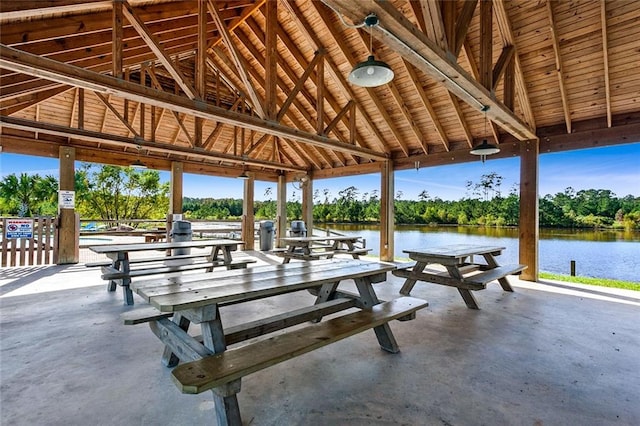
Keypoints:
(545, 355)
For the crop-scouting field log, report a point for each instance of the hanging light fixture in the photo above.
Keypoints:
(371, 73)
(485, 148)
(138, 164)
(243, 175)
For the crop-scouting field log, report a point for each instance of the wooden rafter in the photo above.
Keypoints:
(462, 24)
(605, 57)
(433, 22)
(486, 44)
(201, 68)
(509, 39)
(16, 60)
(30, 99)
(427, 105)
(328, 21)
(116, 113)
(298, 85)
(402, 106)
(328, 97)
(309, 119)
(157, 49)
(430, 20)
(271, 58)
(399, 34)
(237, 59)
(310, 36)
(506, 57)
(179, 120)
(559, 68)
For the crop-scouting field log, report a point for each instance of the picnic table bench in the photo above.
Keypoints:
(461, 272)
(211, 362)
(121, 268)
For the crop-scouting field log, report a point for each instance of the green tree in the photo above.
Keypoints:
(118, 193)
(29, 195)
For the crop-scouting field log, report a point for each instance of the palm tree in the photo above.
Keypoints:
(23, 195)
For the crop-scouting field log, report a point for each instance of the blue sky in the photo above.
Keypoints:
(615, 168)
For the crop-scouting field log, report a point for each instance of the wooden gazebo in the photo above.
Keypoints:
(225, 87)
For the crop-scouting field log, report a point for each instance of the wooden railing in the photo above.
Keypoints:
(16, 250)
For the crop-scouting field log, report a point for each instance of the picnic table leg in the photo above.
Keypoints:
(127, 293)
(116, 262)
(169, 358)
(225, 398)
(410, 282)
(468, 298)
(327, 292)
(368, 297)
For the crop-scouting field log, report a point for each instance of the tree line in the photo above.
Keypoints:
(117, 193)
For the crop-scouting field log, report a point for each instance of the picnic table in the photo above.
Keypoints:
(462, 271)
(214, 362)
(314, 248)
(119, 269)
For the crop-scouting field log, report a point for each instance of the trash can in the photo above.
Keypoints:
(266, 235)
(298, 229)
(181, 231)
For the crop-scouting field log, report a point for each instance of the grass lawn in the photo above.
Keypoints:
(602, 282)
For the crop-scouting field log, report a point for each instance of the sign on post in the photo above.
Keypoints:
(19, 228)
(66, 199)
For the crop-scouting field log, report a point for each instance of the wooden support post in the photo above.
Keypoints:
(281, 210)
(386, 211)
(307, 205)
(528, 253)
(248, 218)
(68, 232)
(175, 196)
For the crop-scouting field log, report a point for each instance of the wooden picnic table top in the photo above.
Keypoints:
(452, 252)
(115, 248)
(319, 238)
(239, 285)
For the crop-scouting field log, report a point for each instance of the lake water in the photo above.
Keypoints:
(600, 254)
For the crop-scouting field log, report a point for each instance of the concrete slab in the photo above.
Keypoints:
(545, 354)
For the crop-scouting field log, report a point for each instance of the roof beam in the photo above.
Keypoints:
(126, 142)
(405, 39)
(16, 60)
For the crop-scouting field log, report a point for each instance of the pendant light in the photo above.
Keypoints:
(371, 73)
(138, 164)
(485, 148)
(243, 175)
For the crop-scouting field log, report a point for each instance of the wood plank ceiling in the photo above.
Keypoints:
(262, 85)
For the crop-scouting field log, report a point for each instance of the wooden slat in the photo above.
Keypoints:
(214, 371)
(317, 274)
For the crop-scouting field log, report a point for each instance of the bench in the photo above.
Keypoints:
(108, 262)
(485, 277)
(242, 332)
(355, 252)
(219, 369)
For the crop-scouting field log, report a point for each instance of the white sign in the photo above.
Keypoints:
(66, 199)
(19, 228)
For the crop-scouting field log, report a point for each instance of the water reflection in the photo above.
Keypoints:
(604, 254)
